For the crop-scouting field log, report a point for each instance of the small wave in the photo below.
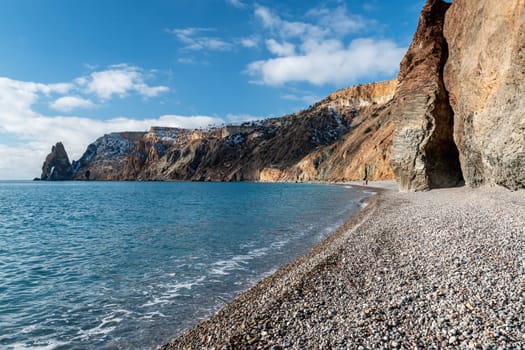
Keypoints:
(224, 267)
(50, 345)
(171, 291)
(153, 314)
(107, 325)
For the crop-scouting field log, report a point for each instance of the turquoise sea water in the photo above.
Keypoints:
(129, 265)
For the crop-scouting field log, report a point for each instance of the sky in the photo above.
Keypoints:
(73, 70)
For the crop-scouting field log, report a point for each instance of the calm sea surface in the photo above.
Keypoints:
(129, 265)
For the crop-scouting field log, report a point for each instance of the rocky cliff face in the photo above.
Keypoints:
(57, 165)
(297, 147)
(106, 157)
(425, 155)
(459, 105)
(348, 128)
(485, 76)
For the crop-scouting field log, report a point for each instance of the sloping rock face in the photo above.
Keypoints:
(57, 165)
(297, 147)
(368, 145)
(106, 157)
(485, 75)
(424, 154)
(333, 140)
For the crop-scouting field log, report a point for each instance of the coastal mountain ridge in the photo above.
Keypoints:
(455, 114)
(304, 146)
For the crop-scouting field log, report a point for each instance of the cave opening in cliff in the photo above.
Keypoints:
(442, 155)
(441, 151)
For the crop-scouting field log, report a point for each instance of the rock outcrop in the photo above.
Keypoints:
(424, 153)
(57, 165)
(106, 158)
(485, 76)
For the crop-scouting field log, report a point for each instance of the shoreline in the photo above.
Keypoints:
(402, 272)
(277, 283)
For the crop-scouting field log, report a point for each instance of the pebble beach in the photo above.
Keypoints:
(429, 270)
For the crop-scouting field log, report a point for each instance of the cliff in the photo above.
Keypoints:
(347, 128)
(485, 76)
(106, 158)
(425, 155)
(459, 105)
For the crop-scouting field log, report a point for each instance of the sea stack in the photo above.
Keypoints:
(57, 165)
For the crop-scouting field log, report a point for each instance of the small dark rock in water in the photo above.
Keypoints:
(36, 179)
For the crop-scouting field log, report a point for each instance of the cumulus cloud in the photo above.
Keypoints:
(34, 133)
(69, 103)
(119, 80)
(196, 39)
(323, 49)
(330, 63)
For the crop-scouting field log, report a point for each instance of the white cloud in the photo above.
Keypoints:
(331, 63)
(119, 80)
(287, 29)
(241, 118)
(322, 50)
(194, 39)
(237, 3)
(35, 133)
(249, 42)
(186, 60)
(18, 163)
(306, 98)
(338, 21)
(68, 103)
(284, 49)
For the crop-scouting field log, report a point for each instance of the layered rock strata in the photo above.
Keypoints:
(424, 153)
(485, 76)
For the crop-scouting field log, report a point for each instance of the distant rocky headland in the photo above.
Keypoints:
(455, 114)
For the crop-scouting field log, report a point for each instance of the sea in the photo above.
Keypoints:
(131, 265)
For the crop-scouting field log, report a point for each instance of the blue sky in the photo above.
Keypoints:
(72, 70)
